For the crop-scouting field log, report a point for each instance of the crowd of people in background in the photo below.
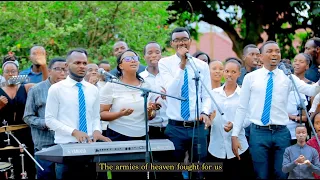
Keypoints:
(263, 133)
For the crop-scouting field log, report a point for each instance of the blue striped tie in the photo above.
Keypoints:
(82, 109)
(267, 102)
(185, 112)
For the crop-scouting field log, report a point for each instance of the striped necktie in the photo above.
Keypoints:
(82, 109)
(185, 112)
(265, 118)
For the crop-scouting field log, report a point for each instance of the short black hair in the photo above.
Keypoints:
(180, 29)
(316, 41)
(103, 62)
(80, 50)
(234, 60)
(245, 49)
(151, 42)
(119, 73)
(199, 53)
(268, 42)
(308, 57)
(300, 125)
(54, 60)
(9, 58)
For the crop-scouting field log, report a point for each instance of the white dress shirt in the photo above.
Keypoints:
(62, 109)
(253, 92)
(315, 103)
(119, 97)
(220, 140)
(292, 109)
(160, 120)
(173, 78)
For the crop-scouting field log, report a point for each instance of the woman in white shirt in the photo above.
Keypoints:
(220, 149)
(122, 106)
(301, 64)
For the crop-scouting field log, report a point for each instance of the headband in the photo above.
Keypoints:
(12, 62)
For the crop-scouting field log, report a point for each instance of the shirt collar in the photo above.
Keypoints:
(221, 91)
(31, 72)
(70, 82)
(266, 71)
(301, 146)
(48, 82)
(146, 73)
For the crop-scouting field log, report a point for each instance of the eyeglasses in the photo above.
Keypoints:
(130, 58)
(59, 70)
(184, 40)
(12, 71)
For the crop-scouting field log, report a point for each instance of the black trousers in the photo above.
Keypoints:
(115, 136)
(233, 168)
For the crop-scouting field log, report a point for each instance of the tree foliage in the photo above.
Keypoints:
(61, 25)
(248, 19)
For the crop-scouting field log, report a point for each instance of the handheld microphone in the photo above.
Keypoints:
(283, 68)
(102, 71)
(188, 56)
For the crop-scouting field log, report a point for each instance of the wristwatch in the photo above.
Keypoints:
(204, 113)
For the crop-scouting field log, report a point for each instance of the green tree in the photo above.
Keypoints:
(60, 26)
(248, 19)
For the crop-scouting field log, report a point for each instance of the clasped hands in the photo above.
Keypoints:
(302, 160)
(83, 137)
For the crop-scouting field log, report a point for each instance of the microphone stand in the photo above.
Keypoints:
(145, 94)
(301, 103)
(196, 79)
(24, 148)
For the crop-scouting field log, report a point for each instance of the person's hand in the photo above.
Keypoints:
(164, 91)
(181, 51)
(228, 126)
(125, 112)
(3, 101)
(235, 146)
(81, 136)
(40, 59)
(307, 162)
(152, 108)
(213, 115)
(300, 160)
(209, 122)
(98, 136)
(93, 79)
(205, 119)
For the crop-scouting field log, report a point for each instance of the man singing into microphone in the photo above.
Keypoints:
(269, 136)
(178, 77)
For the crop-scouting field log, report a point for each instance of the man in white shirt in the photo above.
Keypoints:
(73, 112)
(177, 75)
(152, 55)
(264, 95)
(157, 126)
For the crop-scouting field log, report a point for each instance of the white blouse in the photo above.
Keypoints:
(220, 145)
(292, 108)
(125, 97)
